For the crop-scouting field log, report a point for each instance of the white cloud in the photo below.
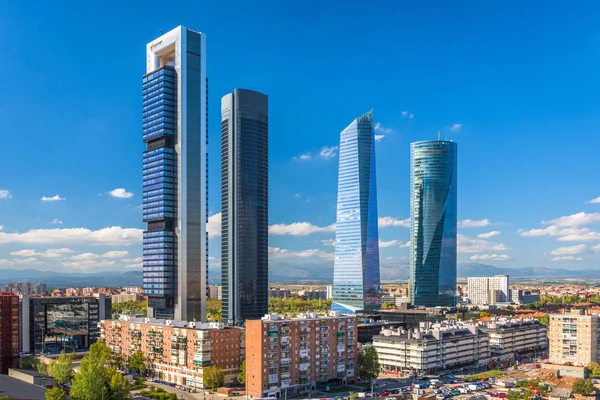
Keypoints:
(380, 129)
(470, 223)
(87, 264)
(406, 114)
(328, 242)
(575, 220)
(114, 235)
(115, 254)
(50, 253)
(297, 195)
(5, 194)
(393, 243)
(85, 256)
(276, 253)
(594, 201)
(305, 156)
(134, 260)
(570, 250)
(57, 221)
(378, 138)
(299, 229)
(53, 198)
(385, 222)
(466, 244)
(488, 234)
(490, 257)
(456, 127)
(567, 258)
(327, 152)
(134, 266)
(120, 193)
(213, 227)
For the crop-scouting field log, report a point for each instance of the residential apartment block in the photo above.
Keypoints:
(510, 338)
(489, 290)
(289, 356)
(433, 347)
(573, 338)
(178, 350)
(9, 331)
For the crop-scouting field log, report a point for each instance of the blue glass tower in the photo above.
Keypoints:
(433, 223)
(356, 283)
(175, 121)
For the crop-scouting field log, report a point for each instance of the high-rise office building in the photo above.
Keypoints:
(433, 223)
(244, 205)
(175, 124)
(356, 282)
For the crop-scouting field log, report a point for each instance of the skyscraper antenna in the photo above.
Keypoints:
(438, 135)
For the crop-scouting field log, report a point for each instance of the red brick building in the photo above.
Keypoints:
(293, 355)
(178, 351)
(9, 331)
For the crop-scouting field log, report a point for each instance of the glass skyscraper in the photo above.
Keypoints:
(175, 124)
(433, 223)
(356, 284)
(244, 205)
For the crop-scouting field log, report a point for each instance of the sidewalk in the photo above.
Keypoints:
(201, 395)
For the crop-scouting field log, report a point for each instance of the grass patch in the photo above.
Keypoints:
(488, 374)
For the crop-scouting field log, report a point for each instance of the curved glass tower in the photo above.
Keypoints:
(356, 284)
(244, 205)
(433, 223)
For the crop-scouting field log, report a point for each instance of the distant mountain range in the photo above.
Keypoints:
(309, 273)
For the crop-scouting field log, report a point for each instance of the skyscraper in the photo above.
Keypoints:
(356, 284)
(433, 223)
(175, 120)
(244, 205)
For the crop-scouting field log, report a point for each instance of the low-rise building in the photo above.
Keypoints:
(215, 292)
(511, 338)
(125, 297)
(289, 356)
(524, 296)
(432, 347)
(178, 351)
(280, 293)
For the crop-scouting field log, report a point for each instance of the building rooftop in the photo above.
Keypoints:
(168, 323)
(14, 388)
(31, 373)
(306, 316)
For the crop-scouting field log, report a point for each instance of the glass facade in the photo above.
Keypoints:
(175, 176)
(356, 282)
(244, 205)
(159, 93)
(433, 223)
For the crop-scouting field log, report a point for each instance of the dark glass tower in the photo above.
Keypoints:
(433, 223)
(244, 205)
(356, 282)
(174, 176)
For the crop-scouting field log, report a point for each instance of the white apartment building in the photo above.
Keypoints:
(489, 290)
(510, 337)
(433, 347)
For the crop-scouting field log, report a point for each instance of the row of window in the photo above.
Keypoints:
(159, 216)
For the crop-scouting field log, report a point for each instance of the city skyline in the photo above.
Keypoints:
(488, 92)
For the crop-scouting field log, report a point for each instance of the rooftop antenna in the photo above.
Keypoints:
(438, 135)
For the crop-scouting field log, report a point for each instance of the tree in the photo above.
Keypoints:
(516, 367)
(387, 305)
(242, 374)
(99, 350)
(118, 387)
(545, 319)
(584, 386)
(42, 368)
(90, 382)
(56, 393)
(5, 398)
(368, 366)
(29, 363)
(61, 369)
(213, 377)
(594, 367)
(353, 395)
(137, 362)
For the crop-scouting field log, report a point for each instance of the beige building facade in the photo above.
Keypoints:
(573, 338)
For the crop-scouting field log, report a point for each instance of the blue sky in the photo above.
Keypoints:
(516, 85)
